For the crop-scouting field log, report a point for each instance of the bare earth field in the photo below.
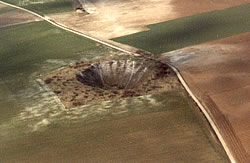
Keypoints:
(218, 72)
(110, 19)
(14, 17)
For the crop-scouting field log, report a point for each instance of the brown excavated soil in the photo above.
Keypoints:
(124, 78)
(14, 17)
(110, 19)
(218, 73)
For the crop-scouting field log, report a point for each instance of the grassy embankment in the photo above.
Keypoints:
(187, 31)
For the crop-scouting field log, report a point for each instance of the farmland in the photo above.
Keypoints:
(187, 31)
(218, 73)
(165, 125)
(32, 120)
(24, 49)
(44, 6)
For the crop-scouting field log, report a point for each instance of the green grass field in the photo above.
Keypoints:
(23, 47)
(184, 134)
(26, 49)
(187, 31)
(43, 6)
(6, 9)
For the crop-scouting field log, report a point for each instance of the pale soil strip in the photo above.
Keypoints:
(13, 24)
(231, 157)
(47, 89)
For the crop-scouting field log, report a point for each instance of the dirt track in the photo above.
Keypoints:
(14, 17)
(112, 19)
(218, 72)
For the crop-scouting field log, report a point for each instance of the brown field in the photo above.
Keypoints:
(218, 72)
(112, 19)
(14, 17)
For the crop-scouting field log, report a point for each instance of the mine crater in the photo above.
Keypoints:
(121, 74)
(101, 80)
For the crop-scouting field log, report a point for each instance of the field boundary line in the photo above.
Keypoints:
(47, 89)
(9, 25)
(183, 82)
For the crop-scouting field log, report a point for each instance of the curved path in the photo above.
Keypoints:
(215, 128)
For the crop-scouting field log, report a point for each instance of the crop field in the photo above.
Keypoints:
(43, 6)
(35, 126)
(218, 72)
(25, 48)
(183, 32)
(165, 126)
(10, 16)
(5, 10)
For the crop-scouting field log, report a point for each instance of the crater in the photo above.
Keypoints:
(123, 74)
(108, 79)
